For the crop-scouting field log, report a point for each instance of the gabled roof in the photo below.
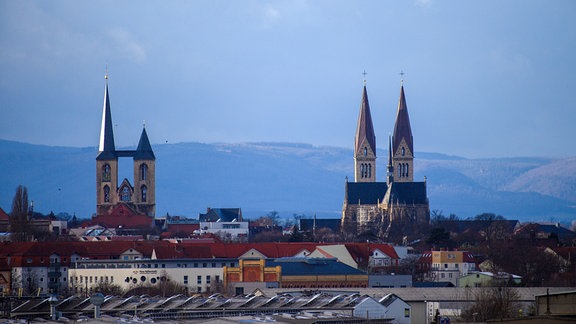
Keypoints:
(365, 129)
(365, 193)
(123, 214)
(144, 149)
(3, 215)
(106, 148)
(402, 129)
(222, 215)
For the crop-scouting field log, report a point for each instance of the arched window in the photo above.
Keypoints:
(106, 194)
(106, 174)
(403, 151)
(369, 170)
(144, 191)
(407, 165)
(399, 170)
(143, 171)
(125, 195)
(365, 151)
(362, 170)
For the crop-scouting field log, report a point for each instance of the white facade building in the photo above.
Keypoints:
(195, 275)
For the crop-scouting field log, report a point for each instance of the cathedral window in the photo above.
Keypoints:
(106, 194)
(106, 174)
(403, 151)
(407, 166)
(143, 171)
(144, 193)
(399, 170)
(365, 151)
(125, 195)
(369, 170)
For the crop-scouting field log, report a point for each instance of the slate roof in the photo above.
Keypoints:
(365, 193)
(402, 129)
(106, 148)
(144, 149)
(407, 193)
(365, 129)
(317, 266)
(221, 214)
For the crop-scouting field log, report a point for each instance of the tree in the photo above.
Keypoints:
(108, 288)
(19, 216)
(492, 303)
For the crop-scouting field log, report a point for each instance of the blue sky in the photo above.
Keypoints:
(482, 78)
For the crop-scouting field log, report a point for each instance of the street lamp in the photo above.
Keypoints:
(52, 301)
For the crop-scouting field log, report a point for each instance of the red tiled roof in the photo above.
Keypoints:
(122, 215)
(3, 215)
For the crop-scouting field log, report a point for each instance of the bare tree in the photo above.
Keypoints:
(492, 303)
(19, 216)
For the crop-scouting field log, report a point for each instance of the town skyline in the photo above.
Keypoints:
(482, 79)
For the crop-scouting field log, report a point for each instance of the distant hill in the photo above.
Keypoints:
(288, 178)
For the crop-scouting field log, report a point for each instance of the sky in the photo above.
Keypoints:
(482, 78)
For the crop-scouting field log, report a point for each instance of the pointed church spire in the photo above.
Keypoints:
(390, 166)
(365, 129)
(106, 149)
(402, 129)
(144, 149)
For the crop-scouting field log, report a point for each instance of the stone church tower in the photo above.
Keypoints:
(365, 144)
(391, 210)
(137, 198)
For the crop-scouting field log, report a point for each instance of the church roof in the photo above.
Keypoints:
(367, 193)
(106, 149)
(402, 128)
(365, 129)
(407, 193)
(144, 150)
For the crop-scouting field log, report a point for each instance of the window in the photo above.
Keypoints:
(106, 194)
(106, 174)
(208, 280)
(217, 278)
(445, 265)
(199, 280)
(144, 192)
(403, 151)
(365, 151)
(125, 196)
(185, 280)
(143, 171)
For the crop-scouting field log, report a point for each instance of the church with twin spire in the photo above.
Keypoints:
(122, 204)
(393, 210)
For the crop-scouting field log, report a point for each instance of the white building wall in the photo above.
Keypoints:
(235, 229)
(195, 275)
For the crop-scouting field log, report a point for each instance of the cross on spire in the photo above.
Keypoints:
(364, 75)
(401, 77)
